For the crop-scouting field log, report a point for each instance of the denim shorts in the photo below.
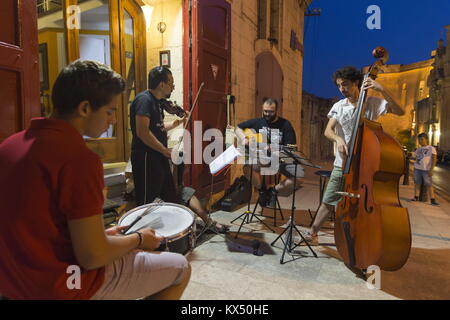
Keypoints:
(421, 176)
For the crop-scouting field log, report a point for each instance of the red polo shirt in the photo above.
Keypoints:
(47, 177)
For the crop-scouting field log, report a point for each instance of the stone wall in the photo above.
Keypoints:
(246, 47)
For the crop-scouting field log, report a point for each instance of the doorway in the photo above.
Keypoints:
(108, 31)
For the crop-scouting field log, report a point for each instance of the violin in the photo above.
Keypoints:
(371, 226)
(172, 108)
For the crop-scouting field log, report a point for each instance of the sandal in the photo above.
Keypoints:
(211, 225)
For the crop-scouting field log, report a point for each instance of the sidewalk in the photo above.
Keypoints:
(222, 272)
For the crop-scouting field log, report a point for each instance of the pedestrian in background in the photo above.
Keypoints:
(426, 159)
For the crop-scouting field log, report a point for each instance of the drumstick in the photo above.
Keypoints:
(156, 222)
(132, 224)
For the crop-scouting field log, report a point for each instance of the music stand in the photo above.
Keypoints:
(248, 215)
(289, 245)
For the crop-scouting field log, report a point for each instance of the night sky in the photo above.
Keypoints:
(340, 37)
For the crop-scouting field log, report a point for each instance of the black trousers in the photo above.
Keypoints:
(152, 178)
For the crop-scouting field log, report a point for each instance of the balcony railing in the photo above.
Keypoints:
(47, 6)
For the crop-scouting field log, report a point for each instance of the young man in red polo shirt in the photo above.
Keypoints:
(52, 239)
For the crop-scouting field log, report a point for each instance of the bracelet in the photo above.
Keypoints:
(140, 238)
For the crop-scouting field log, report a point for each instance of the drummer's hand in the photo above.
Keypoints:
(342, 146)
(150, 241)
(115, 231)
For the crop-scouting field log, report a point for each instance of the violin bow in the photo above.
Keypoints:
(194, 105)
(190, 112)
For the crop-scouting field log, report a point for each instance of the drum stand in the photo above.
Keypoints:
(248, 215)
(289, 245)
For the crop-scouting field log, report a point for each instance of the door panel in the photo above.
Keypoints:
(19, 74)
(210, 63)
(8, 16)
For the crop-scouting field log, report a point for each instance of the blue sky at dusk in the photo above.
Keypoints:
(340, 37)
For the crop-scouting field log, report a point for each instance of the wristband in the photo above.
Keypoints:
(140, 238)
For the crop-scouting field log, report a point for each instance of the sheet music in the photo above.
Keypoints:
(224, 160)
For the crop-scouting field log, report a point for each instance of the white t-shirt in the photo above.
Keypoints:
(343, 111)
(424, 158)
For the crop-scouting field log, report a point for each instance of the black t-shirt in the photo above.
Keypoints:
(147, 105)
(280, 130)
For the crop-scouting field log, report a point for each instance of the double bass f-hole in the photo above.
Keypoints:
(366, 199)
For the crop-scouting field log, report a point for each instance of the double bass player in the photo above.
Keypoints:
(339, 130)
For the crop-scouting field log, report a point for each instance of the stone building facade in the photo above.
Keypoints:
(267, 58)
(438, 107)
(408, 84)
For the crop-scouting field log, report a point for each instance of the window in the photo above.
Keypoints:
(276, 18)
(262, 19)
(270, 20)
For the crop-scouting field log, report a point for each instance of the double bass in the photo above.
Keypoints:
(371, 227)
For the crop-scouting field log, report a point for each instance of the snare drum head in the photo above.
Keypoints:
(174, 218)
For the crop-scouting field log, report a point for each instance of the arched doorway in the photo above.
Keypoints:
(269, 81)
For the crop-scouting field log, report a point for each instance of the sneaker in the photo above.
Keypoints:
(263, 197)
(415, 199)
(211, 226)
(272, 195)
(434, 203)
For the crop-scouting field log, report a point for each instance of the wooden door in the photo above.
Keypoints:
(269, 81)
(207, 60)
(19, 73)
(133, 61)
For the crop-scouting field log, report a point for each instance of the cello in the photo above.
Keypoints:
(371, 226)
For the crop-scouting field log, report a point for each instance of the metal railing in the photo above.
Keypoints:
(45, 6)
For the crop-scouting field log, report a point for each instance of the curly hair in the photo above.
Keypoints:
(349, 73)
(85, 80)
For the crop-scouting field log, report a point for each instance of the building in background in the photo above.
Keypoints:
(438, 106)
(314, 120)
(409, 85)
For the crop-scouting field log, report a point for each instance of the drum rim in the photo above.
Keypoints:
(175, 236)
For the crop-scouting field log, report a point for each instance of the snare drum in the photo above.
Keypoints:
(177, 226)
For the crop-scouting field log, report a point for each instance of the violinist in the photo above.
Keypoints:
(339, 130)
(150, 155)
(149, 152)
